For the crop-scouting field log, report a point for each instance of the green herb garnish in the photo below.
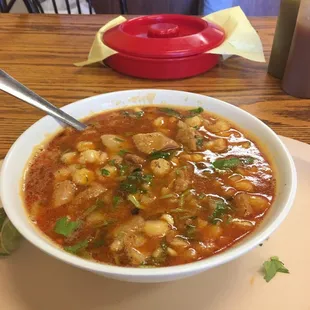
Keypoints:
(104, 172)
(134, 181)
(232, 162)
(194, 112)
(272, 266)
(170, 112)
(98, 243)
(66, 227)
(159, 154)
(220, 209)
(202, 196)
(247, 160)
(139, 114)
(112, 162)
(122, 169)
(99, 204)
(106, 223)
(132, 114)
(199, 142)
(116, 200)
(74, 249)
(147, 178)
(164, 245)
(119, 140)
(128, 187)
(122, 152)
(134, 201)
(182, 197)
(163, 255)
(190, 231)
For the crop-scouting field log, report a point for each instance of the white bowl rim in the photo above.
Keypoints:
(157, 272)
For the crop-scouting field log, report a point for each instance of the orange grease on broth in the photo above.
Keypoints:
(40, 180)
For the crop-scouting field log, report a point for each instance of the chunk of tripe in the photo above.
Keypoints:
(155, 141)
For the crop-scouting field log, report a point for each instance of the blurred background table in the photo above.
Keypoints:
(39, 51)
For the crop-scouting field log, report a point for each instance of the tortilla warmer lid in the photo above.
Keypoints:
(163, 38)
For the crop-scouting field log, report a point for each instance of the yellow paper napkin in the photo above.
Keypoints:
(241, 38)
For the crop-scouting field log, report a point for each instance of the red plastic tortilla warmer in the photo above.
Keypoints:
(167, 46)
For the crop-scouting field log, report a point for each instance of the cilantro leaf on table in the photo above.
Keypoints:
(272, 266)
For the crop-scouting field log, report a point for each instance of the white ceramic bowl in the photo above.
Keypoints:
(20, 152)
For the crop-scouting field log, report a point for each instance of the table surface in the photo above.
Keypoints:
(39, 51)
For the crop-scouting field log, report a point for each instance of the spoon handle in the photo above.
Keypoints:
(16, 89)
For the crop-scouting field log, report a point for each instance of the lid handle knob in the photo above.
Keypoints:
(163, 30)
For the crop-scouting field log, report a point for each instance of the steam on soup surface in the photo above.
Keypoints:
(149, 186)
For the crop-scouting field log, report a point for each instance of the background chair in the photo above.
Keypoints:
(142, 7)
(250, 7)
(61, 6)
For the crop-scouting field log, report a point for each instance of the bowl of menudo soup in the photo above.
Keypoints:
(161, 185)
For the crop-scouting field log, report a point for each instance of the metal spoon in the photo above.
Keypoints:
(18, 90)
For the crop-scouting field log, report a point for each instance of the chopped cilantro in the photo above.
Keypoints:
(66, 227)
(163, 244)
(116, 200)
(128, 187)
(98, 243)
(134, 201)
(105, 223)
(112, 162)
(159, 154)
(194, 112)
(104, 172)
(160, 259)
(74, 249)
(220, 209)
(202, 196)
(134, 181)
(170, 112)
(233, 162)
(119, 140)
(182, 197)
(272, 266)
(99, 204)
(190, 231)
(147, 178)
(122, 169)
(122, 152)
(247, 160)
(133, 114)
(199, 142)
(139, 114)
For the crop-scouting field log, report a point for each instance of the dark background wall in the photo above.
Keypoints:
(250, 7)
